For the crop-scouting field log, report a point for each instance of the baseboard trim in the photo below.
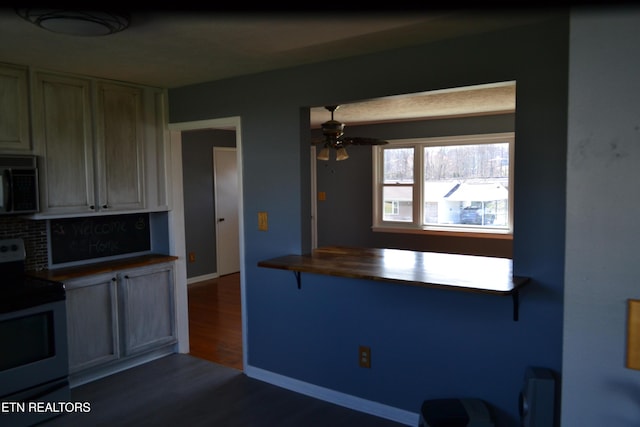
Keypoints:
(332, 396)
(119, 365)
(202, 278)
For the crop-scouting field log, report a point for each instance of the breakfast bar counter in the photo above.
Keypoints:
(469, 273)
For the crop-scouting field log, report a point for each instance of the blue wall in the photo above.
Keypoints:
(425, 343)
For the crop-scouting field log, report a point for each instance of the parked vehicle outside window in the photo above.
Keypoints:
(477, 215)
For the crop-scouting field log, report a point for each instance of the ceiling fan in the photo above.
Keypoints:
(333, 132)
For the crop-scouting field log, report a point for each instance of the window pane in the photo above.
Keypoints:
(398, 165)
(397, 203)
(467, 184)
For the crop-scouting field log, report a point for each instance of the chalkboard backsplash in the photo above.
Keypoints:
(81, 239)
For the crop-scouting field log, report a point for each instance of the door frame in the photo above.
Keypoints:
(177, 246)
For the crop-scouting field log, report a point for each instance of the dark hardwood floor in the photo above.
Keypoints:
(215, 320)
(182, 390)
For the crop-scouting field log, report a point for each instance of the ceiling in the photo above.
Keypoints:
(470, 101)
(177, 48)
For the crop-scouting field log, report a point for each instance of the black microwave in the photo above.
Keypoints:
(18, 185)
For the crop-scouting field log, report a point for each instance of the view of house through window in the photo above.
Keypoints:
(453, 183)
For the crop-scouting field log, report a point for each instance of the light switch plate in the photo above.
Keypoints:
(633, 334)
(263, 224)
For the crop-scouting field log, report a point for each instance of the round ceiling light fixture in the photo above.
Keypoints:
(77, 22)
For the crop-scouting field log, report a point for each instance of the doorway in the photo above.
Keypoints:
(177, 227)
(215, 320)
(225, 178)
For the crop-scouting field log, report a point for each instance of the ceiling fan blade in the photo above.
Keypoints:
(362, 141)
(334, 137)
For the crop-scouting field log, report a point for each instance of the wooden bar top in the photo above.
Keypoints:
(429, 269)
(66, 273)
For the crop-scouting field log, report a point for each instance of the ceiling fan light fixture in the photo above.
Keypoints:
(77, 22)
(333, 137)
(323, 154)
(341, 154)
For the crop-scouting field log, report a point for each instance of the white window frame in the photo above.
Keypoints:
(416, 226)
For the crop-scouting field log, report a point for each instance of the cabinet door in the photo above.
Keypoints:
(14, 109)
(148, 319)
(63, 139)
(120, 143)
(157, 166)
(92, 321)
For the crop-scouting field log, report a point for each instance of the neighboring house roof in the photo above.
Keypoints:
(479, 192)
(400, 194)
(451, 191)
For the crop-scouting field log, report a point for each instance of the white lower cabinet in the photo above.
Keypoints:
(92, 321)
(115, 320)
(147, 308)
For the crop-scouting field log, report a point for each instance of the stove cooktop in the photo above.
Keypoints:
(18, 290)
(29, 292)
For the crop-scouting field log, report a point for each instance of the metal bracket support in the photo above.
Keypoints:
(298, 279)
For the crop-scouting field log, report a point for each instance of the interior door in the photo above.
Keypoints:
(225, 171)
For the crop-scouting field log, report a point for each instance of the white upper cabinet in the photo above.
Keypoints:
(63, 139)
(14, 109)
(158, 153)
(101, 145)
(120, 147)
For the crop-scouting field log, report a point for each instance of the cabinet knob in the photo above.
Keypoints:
(221, 219)
(92, 207)
(105, 206)
(113, 279)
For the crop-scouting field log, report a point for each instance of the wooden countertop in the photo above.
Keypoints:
(428, 269)
(66, 273)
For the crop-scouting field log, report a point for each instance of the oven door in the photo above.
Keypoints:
(34, 348)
